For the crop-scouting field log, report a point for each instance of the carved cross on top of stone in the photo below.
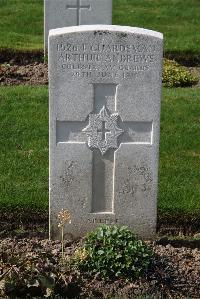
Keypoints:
(78, 7)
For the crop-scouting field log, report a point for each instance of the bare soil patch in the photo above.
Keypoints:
(30, 74)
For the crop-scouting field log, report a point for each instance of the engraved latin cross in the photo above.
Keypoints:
(78, 7)
(104, 136)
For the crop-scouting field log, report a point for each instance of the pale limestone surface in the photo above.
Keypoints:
(64, 13)
(105, 94)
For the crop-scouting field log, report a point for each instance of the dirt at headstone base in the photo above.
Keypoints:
(173, 272)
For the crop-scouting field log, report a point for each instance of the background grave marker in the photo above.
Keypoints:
(64, 13)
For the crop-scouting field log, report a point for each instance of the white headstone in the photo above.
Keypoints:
(105, 94)
(64, 13)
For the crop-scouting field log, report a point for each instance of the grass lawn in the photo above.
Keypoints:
(21, 22)
(177, 19)
(24, 149)
(179, 176)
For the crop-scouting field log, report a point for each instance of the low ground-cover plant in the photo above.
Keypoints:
(112, 252)
(176, 75)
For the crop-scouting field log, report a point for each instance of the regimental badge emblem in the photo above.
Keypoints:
(103, 131)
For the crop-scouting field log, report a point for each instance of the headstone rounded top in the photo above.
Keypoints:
(110, 28)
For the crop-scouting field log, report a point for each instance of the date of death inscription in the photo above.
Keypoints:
(105, 61)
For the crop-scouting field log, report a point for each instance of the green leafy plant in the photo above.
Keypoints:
(113, 251)
(175, 75)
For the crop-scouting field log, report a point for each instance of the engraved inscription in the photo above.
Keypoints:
(109, 58)
(103, 60)
(102, 48)
(139, 180)
(104, 221)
